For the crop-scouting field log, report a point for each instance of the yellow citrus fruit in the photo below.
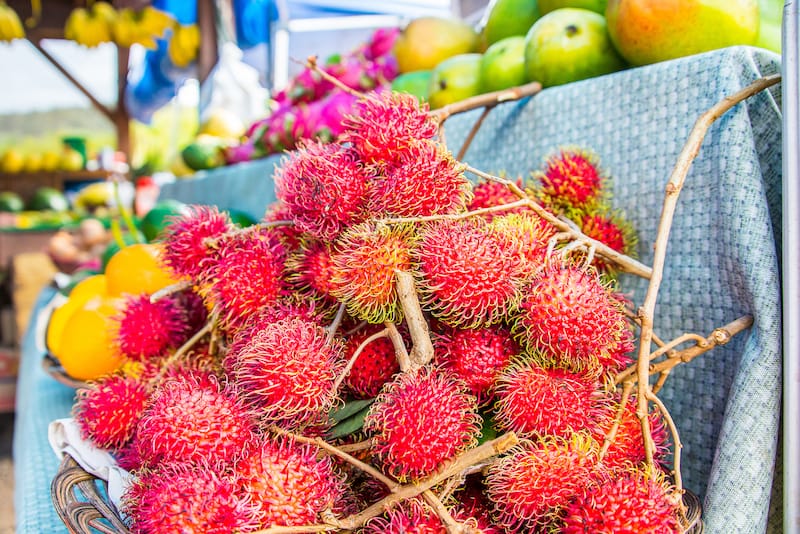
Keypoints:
(137, 269)
(87, 348)
(91, 286)
(88, 288)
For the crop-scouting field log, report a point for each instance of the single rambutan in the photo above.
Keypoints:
(627, 448)
(571, 317)
(535, 400)
(365, 259)
(107, 410)
(468, 273)
(630, 502)
(188, 498)
(420, 420)
(412, 516)
(145, 330)
(472, 506)
(323, 187)
(531, 234)
(530, 486)
(384, 123)
(191, 417)
(287, 369)
(475, 355)
(248, 273)
(310, 269)
(194, 309)
(278, 215)
(291, 306)
(425, 180)
(610, 228)
(375, 364)
(186, 239)
(572, 180)
(489, 193)
(291, 483)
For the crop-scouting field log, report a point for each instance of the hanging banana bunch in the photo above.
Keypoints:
(10, 26)
(183, 45)
(91, 27)
(141, 26)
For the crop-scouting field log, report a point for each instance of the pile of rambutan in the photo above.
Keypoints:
(346, 364)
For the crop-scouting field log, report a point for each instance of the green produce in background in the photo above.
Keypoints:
(11, 202)
(48, 199)
(598, 6)
(770, 14)
(509, 17)
(414, 83)
(159, 216)
(455, 79)
(503, 64)
(427, 41)
(204, 153)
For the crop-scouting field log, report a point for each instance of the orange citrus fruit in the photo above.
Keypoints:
(137, 269)
(88, 288)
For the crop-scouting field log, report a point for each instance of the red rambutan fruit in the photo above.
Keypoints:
(531, 234)
(185, 239)
(472, 505)
(374, 366)
(193, 308)
(188, 498)
(530, 486)
(290, 482)
(611, 229)
(144, 330)
(627, 449)
(572, 180)
(323, 187)
(310, 269)
(278, 214)
(475, 355)
(626, 503)
(384, 123)
(469, 275)
(489, 193)
(425, 180)
(412, 516)
(420, 420)
(287, 369)
(365, 259)
(107, 411)
(534, 400)
(571, 317)
(248, 274)
(191, 417)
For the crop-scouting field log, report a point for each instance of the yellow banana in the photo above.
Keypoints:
(76, 20)
(184, 44)
(123, 28)
(87, 29)
(10, 26)
(155, 22)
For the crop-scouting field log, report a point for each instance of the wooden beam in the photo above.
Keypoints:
(206, 22)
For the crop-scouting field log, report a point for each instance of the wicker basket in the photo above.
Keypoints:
(53, 368)
(81, 501)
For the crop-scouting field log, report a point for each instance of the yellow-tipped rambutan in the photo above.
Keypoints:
(612, 229)
(489, 193)
(310, 269)
(186, 239)
(531, 234)
(572, 181)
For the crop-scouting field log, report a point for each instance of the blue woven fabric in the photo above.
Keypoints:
(723, 260)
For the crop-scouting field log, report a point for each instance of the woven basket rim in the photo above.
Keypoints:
(53, 367)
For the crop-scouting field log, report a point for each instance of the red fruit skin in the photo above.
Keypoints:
(488, 194)
(410, 517)
(530, 486)
(613, 230)
(384, 124)
(572, 318)
(374, 366)
(425, 180)
(535, 401)
(627, 503)
(287, 370)
(531, 236)
(310, 269)
(186, 498)
(364, 262)
(186, 239)
(572, 181)
(291, 483)
(145, 330)
(420, 420)
(323, 187)
(468, 275)
(476, 356)
(192, 418)
(107, 411)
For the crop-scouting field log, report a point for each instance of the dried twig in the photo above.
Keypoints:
(422, 347)
(171, 289)
(487, 99)
(399, 346)
(473, 132)
(356, 354)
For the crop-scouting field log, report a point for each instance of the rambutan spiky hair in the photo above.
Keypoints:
(412, 515)
(572, 181)
(186, 238)
(144, 330)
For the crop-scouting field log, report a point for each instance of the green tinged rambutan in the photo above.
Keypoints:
(571, 181)
(310, 269)
(108, 410)
(531, 234)
(365, 259)
(291, 483)
(412, 516)
(468, 272)
(420, 420)
(186, 239)
(287, 370)
(534, 401)
(611, 229)
(475, 355)
(144, 330)
(384, 124)
(531, 485)
(323, 187)
(187, 498)
(425, 180)
(630, 502)
(571, 317)
(374, 366)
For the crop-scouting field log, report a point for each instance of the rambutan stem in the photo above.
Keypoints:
(351, 362)
(664, 348)
(355, 447)
(422, 346)
(486, 99)
(473, 132)
(450, 524)
(676, 439)
(680, 171)
(334, 326)
(612, 433)
(311, 63)
(399, 346)
(178, 354)
(171, 289)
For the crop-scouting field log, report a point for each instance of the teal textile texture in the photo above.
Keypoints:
(723, 261)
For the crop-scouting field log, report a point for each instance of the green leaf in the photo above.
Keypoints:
(350, 408)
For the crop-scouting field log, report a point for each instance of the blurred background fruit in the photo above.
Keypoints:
(427, 41)
(455, 78)
(505, 18)
(503, 64)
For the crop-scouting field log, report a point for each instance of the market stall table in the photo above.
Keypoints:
(723, 262)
